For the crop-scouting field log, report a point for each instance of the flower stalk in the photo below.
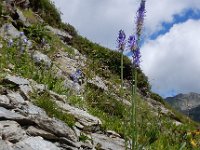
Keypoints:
(121, 46)
(134, 41)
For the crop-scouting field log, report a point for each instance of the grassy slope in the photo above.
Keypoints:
(155, 131)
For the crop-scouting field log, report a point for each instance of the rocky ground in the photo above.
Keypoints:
(24, 126)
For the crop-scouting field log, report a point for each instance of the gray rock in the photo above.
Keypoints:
(31, 110)
(12, 131)
(35, 143)
(22, 146)
(5, 102)
(106, 143)
(112, 134)
(67, 147)
(6, 114)
(87, 120)
(39, 88)
(67, 64)
(25, 90)
(98, 81)
(87, 145)
(56, 96)
(23, 19)
(16, 98)
(5, 145)
(56, 127)
(15, 80)
(69, 84)
(11, 115)
(41, 59)
(8, 31)
(70, 143)
(38, 132)
(59, 32)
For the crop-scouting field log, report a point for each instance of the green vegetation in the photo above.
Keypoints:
(48, 104)
(47, 10)
(156, 130)
(24, 66)
(31, 17)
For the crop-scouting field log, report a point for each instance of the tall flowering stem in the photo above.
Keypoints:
(121, 47)
(134, 41)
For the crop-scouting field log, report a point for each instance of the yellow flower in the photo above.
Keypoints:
(193, 143)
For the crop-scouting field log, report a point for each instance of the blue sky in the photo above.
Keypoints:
(171, 45)
(177, 18)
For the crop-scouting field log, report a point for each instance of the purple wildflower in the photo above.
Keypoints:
(76, 76)
(136, 57)
(10, 43)
(132, 42)
(25, 40)
(21, 34)
(6, 27)
(140, 18)
(121, 40)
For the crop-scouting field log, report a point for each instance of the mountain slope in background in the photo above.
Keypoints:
(188, 104)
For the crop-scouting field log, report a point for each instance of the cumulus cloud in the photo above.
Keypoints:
(159, 12)
(172, 60)
(100, 20)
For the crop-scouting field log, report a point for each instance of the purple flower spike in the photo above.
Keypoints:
(136, 57)
(121, 40)
(132, 43)
(140, 18)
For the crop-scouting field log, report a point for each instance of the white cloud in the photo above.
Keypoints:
(172, 60)
(163, 11)
(100, 20)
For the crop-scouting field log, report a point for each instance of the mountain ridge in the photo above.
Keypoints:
(188, 104)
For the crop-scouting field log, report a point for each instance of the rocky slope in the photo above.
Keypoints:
(187, 103)
(25, 126)
(52, 97)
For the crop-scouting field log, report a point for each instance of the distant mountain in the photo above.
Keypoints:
(188, 104)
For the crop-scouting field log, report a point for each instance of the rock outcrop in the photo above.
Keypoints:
(25, 126)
